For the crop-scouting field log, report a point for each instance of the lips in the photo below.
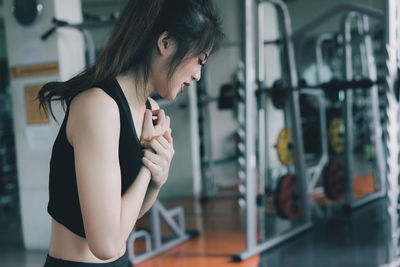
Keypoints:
(187, 84)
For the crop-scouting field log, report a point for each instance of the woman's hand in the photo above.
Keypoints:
(158, 158)
(154, 129)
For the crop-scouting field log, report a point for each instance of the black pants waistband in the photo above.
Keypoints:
(53, 262)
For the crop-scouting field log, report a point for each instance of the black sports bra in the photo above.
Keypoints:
(63, 203)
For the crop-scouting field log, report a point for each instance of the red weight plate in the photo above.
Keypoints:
(286, 199)
(334, 180)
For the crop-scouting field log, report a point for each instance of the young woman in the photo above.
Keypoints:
(109, 160)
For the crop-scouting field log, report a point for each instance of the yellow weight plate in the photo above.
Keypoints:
(336, 135)
(284, 147)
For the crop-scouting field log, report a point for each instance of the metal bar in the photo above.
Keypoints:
(136, 235)
(261, 117)
(324, 18)
(155, 226)
(295, 110)
(250, 79)
(261, 47)
(168, 217)
(272, 242)
(319, 53)
(392, 125)
(368, 198)
(195, 140)
(374, 96)
(90, 48)
(348, 107)
(156, 212)
(314, 172)
(166, 246)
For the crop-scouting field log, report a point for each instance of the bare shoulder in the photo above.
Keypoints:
(94, 98)
(154, 104)
(92, 108)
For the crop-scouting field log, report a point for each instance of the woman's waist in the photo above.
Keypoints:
(66, 245)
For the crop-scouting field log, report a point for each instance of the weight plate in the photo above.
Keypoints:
(336, 135)
(334, 180)
(286, 198)
(284, 147)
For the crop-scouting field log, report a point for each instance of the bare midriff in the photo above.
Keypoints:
(66, 245)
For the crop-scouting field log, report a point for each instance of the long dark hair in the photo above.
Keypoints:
(193, 24)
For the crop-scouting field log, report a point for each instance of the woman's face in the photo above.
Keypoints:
(188, 70)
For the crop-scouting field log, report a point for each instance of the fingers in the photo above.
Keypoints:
(147, 132)
(161, 125)
(168, 137)
(162, 147)
(150, 131)
(168, 121)
(153, 168)
(154, 158)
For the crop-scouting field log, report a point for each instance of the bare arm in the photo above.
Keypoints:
(93, 129)
(151, 197)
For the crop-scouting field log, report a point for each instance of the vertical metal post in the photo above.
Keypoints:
(261, 116)
(348, 107)
(374, 96)
(392, 125)
(319, 53)
(155, 226)
(250, 80)
(295, 112)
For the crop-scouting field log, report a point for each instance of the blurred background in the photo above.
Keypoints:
(286, 150)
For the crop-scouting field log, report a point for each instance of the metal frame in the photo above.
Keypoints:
(156, 213)
(324, 18)
(368, 70)
(313, 173)
(392, 128)
(252, 247)
(322, 38)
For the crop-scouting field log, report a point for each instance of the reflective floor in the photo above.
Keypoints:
(12, 253)
(359, 239)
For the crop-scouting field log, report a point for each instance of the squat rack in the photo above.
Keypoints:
(252, 247)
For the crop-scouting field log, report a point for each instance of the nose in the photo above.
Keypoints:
(196, 77)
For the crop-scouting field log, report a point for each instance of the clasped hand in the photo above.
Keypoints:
(158, 146)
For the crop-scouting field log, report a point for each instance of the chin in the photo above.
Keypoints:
(169, 97)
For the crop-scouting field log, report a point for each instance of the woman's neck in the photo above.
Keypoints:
(135, 95)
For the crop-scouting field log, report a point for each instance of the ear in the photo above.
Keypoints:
(165, 44)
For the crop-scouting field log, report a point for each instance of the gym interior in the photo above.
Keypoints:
(286, 151)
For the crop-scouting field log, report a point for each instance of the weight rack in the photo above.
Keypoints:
(252, 246)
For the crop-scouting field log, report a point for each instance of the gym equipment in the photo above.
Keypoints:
(286, 197)
(336, 135)
(279, 91)
(84, 29)
(392, 126)
(303, 222)
(372, 120)
(284, 147)
(26, 12)
(334, 180)
(153, 240)
(230, 97)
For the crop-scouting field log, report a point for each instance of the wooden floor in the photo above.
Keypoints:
(222, 235)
